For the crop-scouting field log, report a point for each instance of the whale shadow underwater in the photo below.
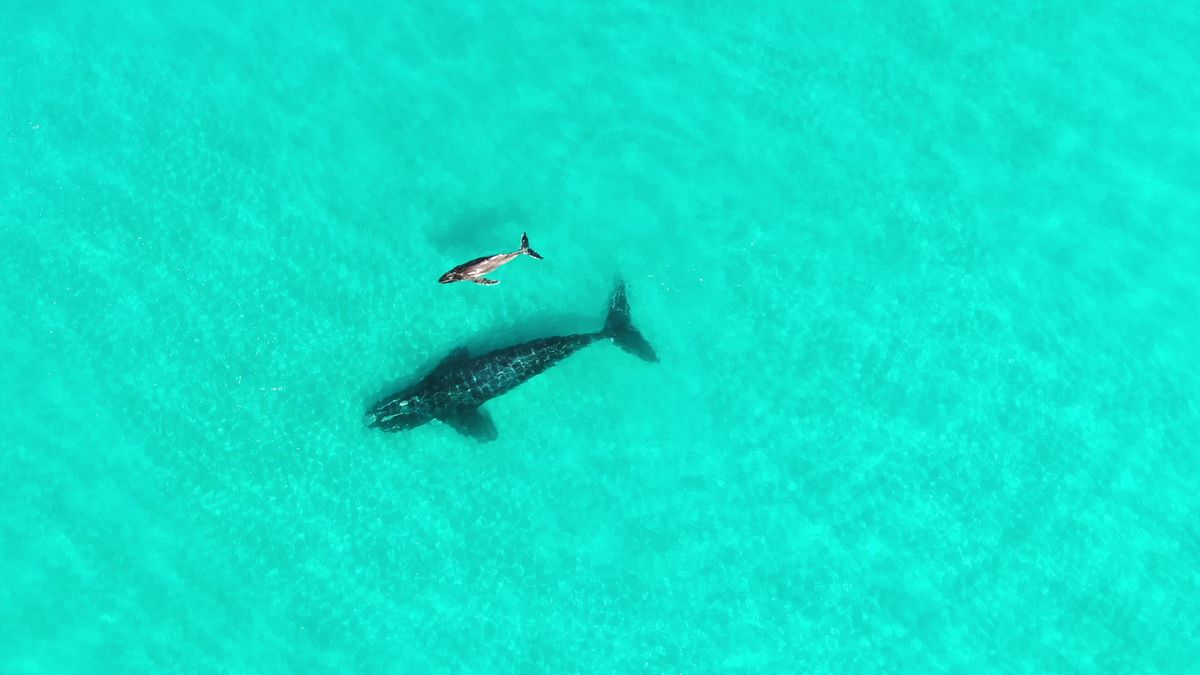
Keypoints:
(456, 388)
(477, 229)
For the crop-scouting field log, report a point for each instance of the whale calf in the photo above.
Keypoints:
(474, 270)
(461, 383)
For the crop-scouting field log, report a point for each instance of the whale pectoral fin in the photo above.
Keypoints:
(474, 423)
(484, 281)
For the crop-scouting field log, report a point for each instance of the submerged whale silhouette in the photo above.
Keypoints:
(460, 384)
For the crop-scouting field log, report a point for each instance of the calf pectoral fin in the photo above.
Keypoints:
(484, 281)
(474, 423)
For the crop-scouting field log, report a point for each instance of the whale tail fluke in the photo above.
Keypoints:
(525, 248)
(619, 327)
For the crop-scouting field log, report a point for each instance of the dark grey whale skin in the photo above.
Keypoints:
(460, 384)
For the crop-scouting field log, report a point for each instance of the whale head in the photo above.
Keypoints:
(405, 410)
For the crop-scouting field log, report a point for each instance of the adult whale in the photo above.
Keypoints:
(460, 384)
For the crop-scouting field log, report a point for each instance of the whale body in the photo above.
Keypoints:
(456, 388)
(474, 270)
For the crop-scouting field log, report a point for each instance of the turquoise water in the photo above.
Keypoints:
(925, 283)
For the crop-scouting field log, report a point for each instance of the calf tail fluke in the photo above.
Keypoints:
(525, 248)
(619, 327)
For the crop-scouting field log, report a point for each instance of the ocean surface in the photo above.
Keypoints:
(924, 280)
